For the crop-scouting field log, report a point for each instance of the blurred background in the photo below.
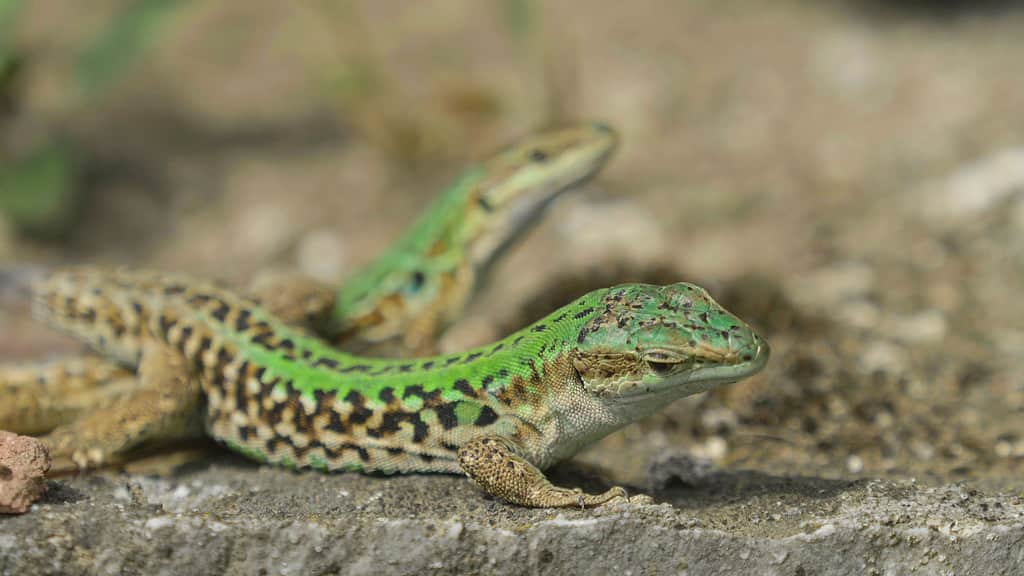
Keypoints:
(846, 176)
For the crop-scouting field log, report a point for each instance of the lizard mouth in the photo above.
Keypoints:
(698, 373)
(737, 366)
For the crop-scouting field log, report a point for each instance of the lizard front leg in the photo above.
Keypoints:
(491, 461)
(164, 405)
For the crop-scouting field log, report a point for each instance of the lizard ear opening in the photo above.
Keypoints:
(602, 372)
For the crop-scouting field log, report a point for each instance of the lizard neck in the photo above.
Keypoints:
(432, 248)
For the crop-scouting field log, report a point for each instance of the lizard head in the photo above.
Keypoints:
(518, 183)
(647, 344)
(543, 164)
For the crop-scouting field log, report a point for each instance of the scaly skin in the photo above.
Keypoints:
(499, 413)
(40, 396)
(418, 287)
(399, 303)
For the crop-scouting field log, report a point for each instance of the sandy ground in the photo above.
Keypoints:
(847, 178)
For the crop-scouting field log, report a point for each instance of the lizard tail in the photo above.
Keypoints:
(87, 304)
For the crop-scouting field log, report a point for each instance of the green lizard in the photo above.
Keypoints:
(399, 303)
(415, 289)
(499, 413)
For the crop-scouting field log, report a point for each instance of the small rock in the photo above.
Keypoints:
(854, 464)
(678, 467)
(24, 462)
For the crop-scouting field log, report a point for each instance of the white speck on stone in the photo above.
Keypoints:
(825, 531)
(454, 530)
(158, 522)
(561, 520)
(217, 527)
(854, 464)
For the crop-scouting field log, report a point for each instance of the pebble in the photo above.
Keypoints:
(24, 462)
(854, 464)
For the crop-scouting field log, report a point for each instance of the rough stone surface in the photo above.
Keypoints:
(24, 462)
(235, 518)
(846, 176)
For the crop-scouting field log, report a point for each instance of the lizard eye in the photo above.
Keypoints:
(661, 368)
(538, 155)
(662, 361)
(416, 281)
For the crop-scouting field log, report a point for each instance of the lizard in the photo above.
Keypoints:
(500, 413)
(400, 302)
(407, 296)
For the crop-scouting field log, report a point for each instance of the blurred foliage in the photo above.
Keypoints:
(39, 189)
(518, 17)
(8, 9)
(9, 60)
(124, 41)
